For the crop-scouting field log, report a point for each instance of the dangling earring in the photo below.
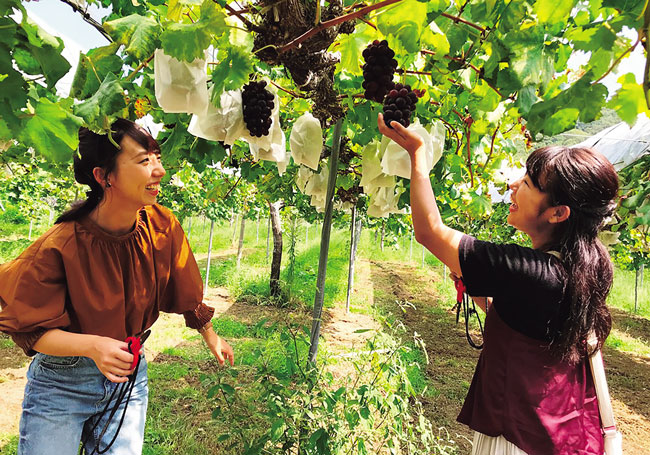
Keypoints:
(108, 184)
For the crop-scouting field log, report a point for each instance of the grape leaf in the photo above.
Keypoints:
(526, 97)
(592, 38)
(351, 46)
(185, 42)
(175, 8)
(188, 41)
(212, 18)
(138, 33)
(552, 11)
(53, 65)
(26, 61)
(7, 5)
(480, 206)
(8, 32)
(93, 68)
(629, 101)
(530, 61)
(12, 89)
(552, 116)
(37, 36)
(52, 131)
(434, 39)
(406, 23)
(99, 110)
(231, 72)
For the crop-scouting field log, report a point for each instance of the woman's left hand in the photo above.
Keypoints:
(219, 347)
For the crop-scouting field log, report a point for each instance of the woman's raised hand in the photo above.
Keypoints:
(112, 358)
(407, 139)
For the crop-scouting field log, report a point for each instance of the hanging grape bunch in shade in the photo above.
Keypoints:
(258, 103)
(399, 104)
(378, 70)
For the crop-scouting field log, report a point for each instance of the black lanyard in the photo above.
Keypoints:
(463, 302)
(122, 390)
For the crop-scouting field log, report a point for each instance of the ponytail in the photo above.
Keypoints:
(587, 183)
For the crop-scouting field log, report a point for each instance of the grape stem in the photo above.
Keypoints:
(494, 135)
(470, 65)
(620, 57)
(466, 22)
(88, 18)
(468, 125)
(238, 14)
(332, 22)
(290, 92)
(140, 66)
(231, 189)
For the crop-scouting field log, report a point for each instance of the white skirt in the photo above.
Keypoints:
(489, 445)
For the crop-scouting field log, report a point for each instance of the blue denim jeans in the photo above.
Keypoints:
(63, 399)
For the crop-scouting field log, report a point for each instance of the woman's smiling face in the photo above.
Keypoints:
(135, 182)
(528, 206)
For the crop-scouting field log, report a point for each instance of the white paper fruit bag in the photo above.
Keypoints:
(180, 86)
(306, 141)
(372, 175)
(223, 123)
(396, 160)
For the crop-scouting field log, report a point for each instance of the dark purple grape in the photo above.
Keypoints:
(378, 70)
(257, 106)
(398, 105)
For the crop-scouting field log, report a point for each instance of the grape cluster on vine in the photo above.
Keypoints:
(378, 70)
(399, 105)
(350, 195)
(258, 104)
(346, 153)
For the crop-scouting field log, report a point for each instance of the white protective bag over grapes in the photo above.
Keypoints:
(384, 200)
(265, 142)
(372, 175)
(306, 141)
(302, 178)
(180, 86)
(396, 160)
(316, 187)
(223, 123)
(277, 151)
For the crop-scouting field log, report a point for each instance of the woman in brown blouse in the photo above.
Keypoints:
(101, 274)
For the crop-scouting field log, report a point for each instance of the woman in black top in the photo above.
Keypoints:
(532, 392)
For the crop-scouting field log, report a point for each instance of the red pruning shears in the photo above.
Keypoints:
(460, 290)
(135, 344)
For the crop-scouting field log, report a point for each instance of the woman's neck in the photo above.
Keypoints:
(115, 221)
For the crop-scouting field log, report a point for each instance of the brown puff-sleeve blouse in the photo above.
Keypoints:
(78, 278)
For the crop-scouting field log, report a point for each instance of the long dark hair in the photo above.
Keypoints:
(586, 182)
(97, 150)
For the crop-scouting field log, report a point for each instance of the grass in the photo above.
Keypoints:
(8, 444)
(622, 294)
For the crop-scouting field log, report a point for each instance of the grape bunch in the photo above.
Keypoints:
(378, 70)
(350, 195)
(399, 104)
(257, 103)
